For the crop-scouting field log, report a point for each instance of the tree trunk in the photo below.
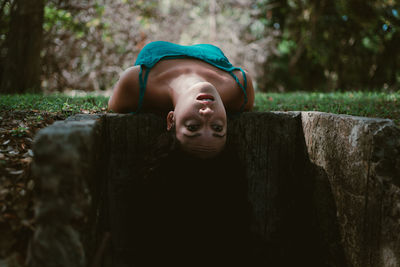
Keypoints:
(24, 43)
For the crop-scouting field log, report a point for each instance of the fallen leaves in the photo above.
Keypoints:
(17, 129)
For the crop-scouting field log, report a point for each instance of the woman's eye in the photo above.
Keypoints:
(192, 127)
(217, 128)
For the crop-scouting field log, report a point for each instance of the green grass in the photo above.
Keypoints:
(367, 104)
(54, 103)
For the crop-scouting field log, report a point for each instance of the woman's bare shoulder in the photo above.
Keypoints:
(236, 102)
(126, 91)
(131, 75)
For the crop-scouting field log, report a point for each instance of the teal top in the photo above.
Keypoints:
(153, 52)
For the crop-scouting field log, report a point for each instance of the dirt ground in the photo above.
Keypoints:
(17, 184)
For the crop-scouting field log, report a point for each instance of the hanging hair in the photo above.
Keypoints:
(163, 146)
(192, 207)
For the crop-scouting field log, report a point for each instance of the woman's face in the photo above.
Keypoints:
(200, 120)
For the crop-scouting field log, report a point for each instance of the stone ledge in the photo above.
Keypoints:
(345, 168)
(361, 157)
(63, 162)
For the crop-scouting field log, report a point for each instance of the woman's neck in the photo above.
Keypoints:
(182, 83)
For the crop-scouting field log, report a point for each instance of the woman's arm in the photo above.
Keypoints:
(125, 95)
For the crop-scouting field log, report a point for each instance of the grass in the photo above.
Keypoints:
(367, 104)
(54, 103)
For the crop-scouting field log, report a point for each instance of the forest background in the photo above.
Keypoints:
(323, 46)
(287, 45)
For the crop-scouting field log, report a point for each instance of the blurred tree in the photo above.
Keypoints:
(330, 45)
(100, 38)
(88, 43)
(23, 44)
(4, 24)
(285, 44)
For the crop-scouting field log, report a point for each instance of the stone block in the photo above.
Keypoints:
(64, 165)
(323, 188)
(361, 158)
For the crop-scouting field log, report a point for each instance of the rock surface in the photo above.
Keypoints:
(361, 157)
(64, 155)
(323, 188)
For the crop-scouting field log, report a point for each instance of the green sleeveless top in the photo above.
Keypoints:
(153, 52)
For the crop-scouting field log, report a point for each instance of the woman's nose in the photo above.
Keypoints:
(206, 111)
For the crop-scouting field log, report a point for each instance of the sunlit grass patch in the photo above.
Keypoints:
(367, 104)
(54, 103)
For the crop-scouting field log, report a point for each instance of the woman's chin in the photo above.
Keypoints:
(205, 87)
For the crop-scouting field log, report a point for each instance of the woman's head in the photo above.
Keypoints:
(200, 120)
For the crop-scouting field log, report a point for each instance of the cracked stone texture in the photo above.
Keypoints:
(361, 157)
(64, 155)
(324, 188)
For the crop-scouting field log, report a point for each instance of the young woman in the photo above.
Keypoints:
(196, 84)
(188, 211)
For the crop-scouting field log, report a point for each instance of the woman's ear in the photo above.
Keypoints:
(170, 120)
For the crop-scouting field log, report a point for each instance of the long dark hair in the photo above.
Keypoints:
(163, 146)
(193, 208)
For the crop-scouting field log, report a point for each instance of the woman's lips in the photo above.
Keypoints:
(205, 97)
